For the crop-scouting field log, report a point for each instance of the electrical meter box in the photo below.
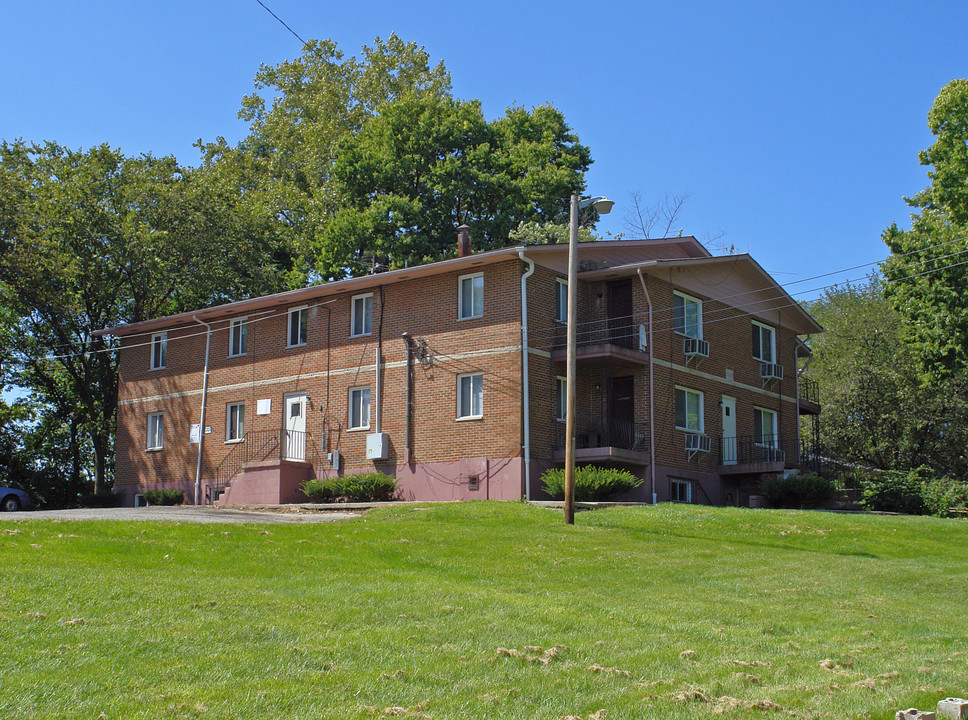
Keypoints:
(377, 446)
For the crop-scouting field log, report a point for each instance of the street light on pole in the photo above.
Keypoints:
(603, 205)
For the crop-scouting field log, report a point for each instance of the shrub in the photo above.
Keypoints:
(896, 491)
(365, 487)
(104, 499)
(798, 491)
(164, 496)
(943, 494)
(591, 482)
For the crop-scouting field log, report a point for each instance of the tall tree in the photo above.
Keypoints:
(93, 239)
(869, 382)
(372, 159)
(425, 165)
(927, 263)
(300, 112)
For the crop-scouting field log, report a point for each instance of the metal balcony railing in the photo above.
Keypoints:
(619, 331)
(753, 450)
(809, 390)
(621, 434)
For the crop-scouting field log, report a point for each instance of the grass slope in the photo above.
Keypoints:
(486, 610)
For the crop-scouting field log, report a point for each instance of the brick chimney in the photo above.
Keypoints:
(463, 241)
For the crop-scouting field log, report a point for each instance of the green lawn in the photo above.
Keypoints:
(486, 610)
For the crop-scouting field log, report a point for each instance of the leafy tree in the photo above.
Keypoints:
(926, 265)
(372, 160)
(876, 410)
(300, 112)
(93, 239)
(425, 165)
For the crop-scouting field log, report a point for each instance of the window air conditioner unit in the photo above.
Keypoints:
(696, 443)
(771, 371)
(695, 348)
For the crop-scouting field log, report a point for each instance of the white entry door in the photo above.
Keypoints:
(294, 408)
(729, 430)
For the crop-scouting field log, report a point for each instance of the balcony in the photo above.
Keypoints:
(750, 455)
(614, 441)
(808, 401)
(617, 338)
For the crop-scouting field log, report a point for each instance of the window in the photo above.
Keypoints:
(764, 427)
(156, 431)
(159, 350)
(361, 322)
(561, 398)
(359, 408)
(689, 414)
(561, 300)
(470, 395)
(238, 337)
(235, 422)
(471, 296)
(687, 315)
(763, 342)
(298, 325)
(681, 490)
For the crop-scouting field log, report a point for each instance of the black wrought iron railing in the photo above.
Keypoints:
(755, 450)
(621, 434)
(809, 390)
(261, 445)
(619, 331)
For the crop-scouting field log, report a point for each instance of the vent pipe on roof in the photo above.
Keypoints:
(463, 241)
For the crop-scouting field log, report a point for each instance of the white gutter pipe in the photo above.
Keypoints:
(651, 391)
(201, 425)
(524, 373)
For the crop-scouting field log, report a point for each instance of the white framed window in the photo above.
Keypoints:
(680, 490)
(238, 337)
(765, 428)
(156, 431)
(470, 297)
(689, 410)
(159, 350)
(361, 315)
(764, 342)
(687, 315)
(359, 408)
(470, 396)
(561, 300)
(298, 326)
(235, 422)
(561, 398)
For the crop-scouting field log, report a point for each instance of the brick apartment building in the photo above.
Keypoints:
(687, 376)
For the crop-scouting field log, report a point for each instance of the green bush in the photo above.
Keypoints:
(798, 491)
(591, 483)
(165, 496)
(365, 487)
(104, 499)
(943, 494)
(896, 491)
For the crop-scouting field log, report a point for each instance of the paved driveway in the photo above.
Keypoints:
(186, 514)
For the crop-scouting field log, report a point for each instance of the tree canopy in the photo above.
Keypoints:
(372, 160)
(94, 239)
(926, 269)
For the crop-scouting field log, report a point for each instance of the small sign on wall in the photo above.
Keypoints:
(264, 407)
(195, 436)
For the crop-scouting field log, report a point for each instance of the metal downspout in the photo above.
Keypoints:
(408, 453)
(201, 425)
(526, 399)
(651, 392)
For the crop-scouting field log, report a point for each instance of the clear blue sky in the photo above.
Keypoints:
(794, 127)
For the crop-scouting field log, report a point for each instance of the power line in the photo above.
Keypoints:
(283, 22)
